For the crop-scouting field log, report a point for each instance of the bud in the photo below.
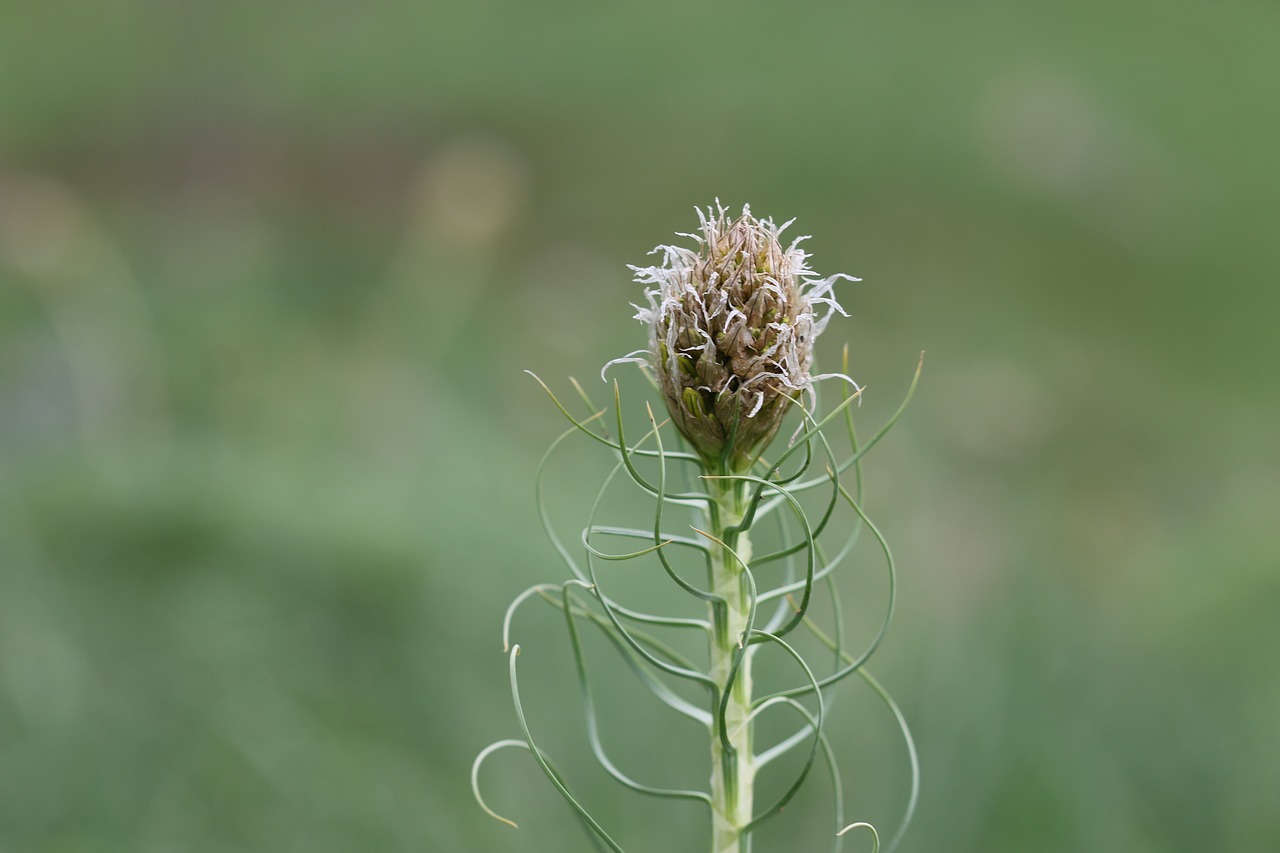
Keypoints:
(731, 333)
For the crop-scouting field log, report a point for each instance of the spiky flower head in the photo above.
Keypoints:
(731, 331)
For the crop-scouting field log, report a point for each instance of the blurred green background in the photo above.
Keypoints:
(269, 278)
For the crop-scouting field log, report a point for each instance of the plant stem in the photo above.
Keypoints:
(732, 767)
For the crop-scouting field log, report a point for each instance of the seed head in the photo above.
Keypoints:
(731, 332)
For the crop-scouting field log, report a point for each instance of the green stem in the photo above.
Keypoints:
(732, 758)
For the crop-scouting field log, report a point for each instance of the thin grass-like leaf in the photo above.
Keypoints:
(855, 663)
(593, 726)
(596, 844)
(643, 638)
(602, 439)
(637, 665)
(539, 499)
(763, 759)
(628, 613)
(905, 729)
(790, 742)
(579, 425)
(475, 777)
(862, 824)
(520, 599)
(808, 765)
(657, 519)
(826, 570)
(911, 754)
(833, 768)
(543, 762)
(880, 433)
(852, 431)
(560, 549)
(766, 481)
(788, 576)
(822, 522)
(638, 533)
(686, 672)
(603, 555)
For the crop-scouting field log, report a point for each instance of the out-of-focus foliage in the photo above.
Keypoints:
(269, 275)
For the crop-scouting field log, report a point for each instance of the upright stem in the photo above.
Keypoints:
(732, 767)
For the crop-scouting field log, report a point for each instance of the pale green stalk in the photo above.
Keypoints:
(732, 757)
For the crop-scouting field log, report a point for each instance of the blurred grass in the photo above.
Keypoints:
(269, 276)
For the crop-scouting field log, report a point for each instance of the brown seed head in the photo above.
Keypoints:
(731, 332)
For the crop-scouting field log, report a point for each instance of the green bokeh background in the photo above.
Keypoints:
(269, 277)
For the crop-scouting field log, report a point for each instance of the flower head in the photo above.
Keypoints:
(731, 332)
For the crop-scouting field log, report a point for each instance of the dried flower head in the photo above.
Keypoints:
(731, 332)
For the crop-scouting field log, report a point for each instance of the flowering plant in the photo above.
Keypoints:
(732, 325)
